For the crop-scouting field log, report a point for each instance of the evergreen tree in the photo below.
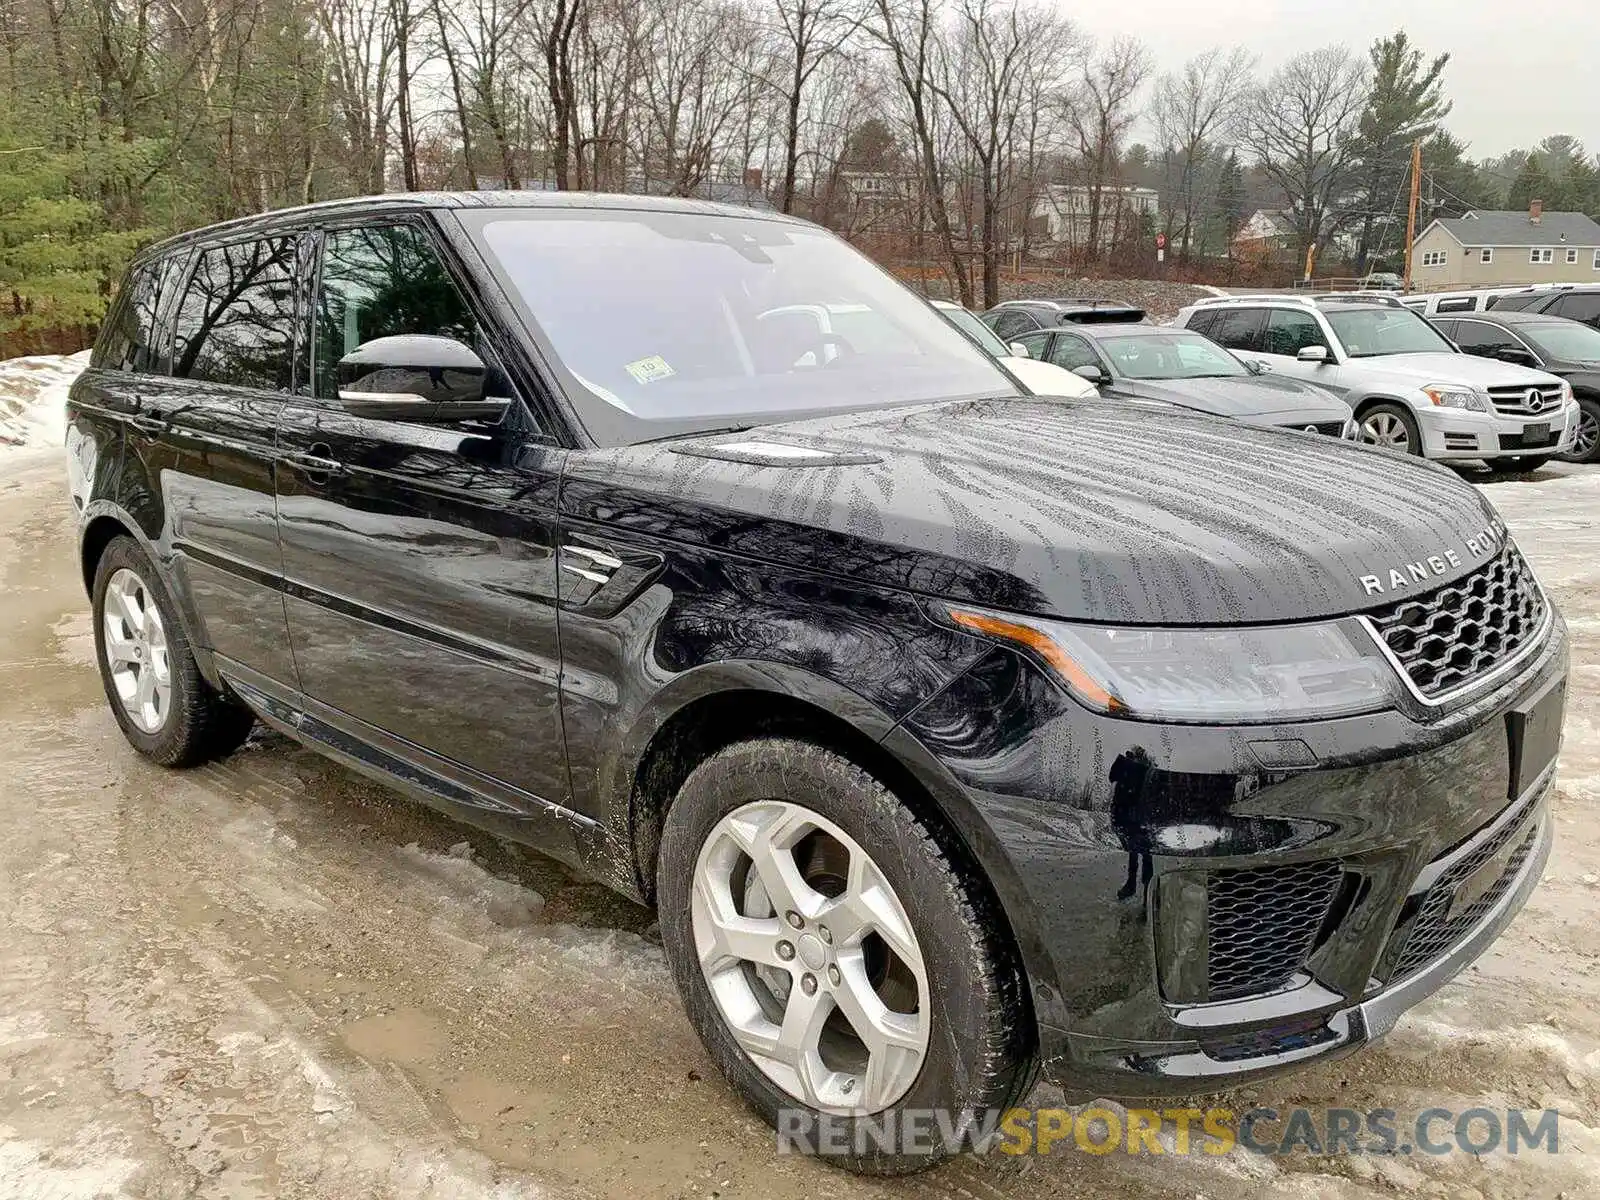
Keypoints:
(1406, 103)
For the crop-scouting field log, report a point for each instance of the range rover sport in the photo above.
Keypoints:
(954, 733)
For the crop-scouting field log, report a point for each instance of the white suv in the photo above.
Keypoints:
(1409, 385)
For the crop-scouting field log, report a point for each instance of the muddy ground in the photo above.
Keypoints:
(271, 978)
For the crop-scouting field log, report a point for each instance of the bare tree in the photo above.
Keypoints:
(1192, 109)
(810, 33)
(1300, 127)
(1100, 113)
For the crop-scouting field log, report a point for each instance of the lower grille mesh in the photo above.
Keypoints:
(1262, 923)
(1437, 927)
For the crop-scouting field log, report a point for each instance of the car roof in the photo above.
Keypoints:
(393, 203)
(1502, 316)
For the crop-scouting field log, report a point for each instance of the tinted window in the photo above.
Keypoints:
(1578, 306)
(1477, 337)
(377, 282)
(1035, 342)
(1288, 332)
(128, 343)
(1071, 351)
(1518, 302)
(1239, 328)
(1011, 323)
(1201, 322)
(1457, 304)
(236, 322)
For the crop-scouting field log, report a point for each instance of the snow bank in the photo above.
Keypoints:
(33, 395)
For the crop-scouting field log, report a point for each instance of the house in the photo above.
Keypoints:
(1487, 247)
(1267, 235)
(1064, 211)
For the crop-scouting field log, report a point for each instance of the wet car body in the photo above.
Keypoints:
(540, 626)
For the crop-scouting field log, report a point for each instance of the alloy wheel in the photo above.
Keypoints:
(1587, 436)
(136, 651)
(1385, 429)
(810, 958)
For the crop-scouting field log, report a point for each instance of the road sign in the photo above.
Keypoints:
(1161, 241)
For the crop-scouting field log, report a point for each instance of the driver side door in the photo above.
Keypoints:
(419, 558)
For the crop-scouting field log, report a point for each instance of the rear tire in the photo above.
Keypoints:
(1391, 426)
(1520, 464)
(167, 710)
(826, 832)
(1587, 448)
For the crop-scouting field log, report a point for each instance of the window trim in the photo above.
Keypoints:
(1486, 256)
(1541, 256)
(1433, 258)
(1572, 256)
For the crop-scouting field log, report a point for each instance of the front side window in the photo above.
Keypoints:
(235, 324)
(1565, 340)
(1176, 355)
(1071, 352)
(1478, 337)
(1289, 332)
(1376, 331)
(380, 281)
(1037, 343)
(665, 323)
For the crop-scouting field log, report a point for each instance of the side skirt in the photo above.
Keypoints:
(457, 791)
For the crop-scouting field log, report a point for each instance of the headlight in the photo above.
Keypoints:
(1450, 395)
(1566, 393)
(1270, 673)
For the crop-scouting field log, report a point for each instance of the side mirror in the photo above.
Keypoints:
(1019, 350)
(1090, 372)
(1516, 354)
(1313, 354)
(417, 377)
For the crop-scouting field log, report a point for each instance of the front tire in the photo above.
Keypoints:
(1586, 449)
(1392, 426)
(838, 965)
(166, 709)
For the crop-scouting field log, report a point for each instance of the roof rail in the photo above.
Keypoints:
(1257, 298)
(1388, 298)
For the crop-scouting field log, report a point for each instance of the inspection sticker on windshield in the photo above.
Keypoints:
(648, 370)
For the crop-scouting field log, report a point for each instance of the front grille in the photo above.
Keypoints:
(1517, 401)
(1448, 638)
(1261, 924)
(1438, 926)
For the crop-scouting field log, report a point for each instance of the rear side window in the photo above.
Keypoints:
(1517, 303)
(1011, 324)
(129, 340)
(1201, 322)
(235, 324)
(1578, 306)
(1240, 329)
(1457, 304)
(380, 281)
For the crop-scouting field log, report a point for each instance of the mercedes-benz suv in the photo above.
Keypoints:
(952, 732)
(1411, 388)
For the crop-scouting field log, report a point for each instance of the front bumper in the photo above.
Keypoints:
(1105, 840)
(1456, 433)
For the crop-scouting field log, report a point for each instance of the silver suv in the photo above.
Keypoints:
(1409, 385)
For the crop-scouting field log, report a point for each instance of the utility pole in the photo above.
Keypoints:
(1411, 215)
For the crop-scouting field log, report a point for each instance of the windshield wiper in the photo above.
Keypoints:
(694, 433)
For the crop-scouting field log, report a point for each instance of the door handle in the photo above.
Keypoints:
(317, 463)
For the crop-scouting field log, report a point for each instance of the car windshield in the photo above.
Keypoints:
(1371, 332)
(1174, 355)
(969, 324)
(1564, 339)
(668, 323)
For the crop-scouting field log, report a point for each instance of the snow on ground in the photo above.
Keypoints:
(33, 395)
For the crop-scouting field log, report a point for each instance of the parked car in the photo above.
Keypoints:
(951, 732)
(1381, 281)
(1464, 300)
(1411, 389)
(1012, 318)
(1156, 362)
(1552, 344)
(1575, 301)
(1040, 378)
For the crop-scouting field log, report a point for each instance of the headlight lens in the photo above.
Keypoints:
(1263, 674)
(1451, 395)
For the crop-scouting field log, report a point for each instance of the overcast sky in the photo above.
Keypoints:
(1518, 71)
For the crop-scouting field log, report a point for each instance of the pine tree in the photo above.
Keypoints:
(1406, 103)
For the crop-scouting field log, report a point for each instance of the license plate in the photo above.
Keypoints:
(1536, 435)
(1535, 738)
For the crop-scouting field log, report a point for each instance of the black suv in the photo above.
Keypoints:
(1010, 319)
(1576, 302)
(951, 731)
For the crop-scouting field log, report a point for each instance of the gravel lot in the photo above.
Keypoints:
(270, 978)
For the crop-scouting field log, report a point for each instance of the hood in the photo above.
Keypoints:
(1098, 510)
(1262, 399)
(1420, 369)
(1047, 379)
